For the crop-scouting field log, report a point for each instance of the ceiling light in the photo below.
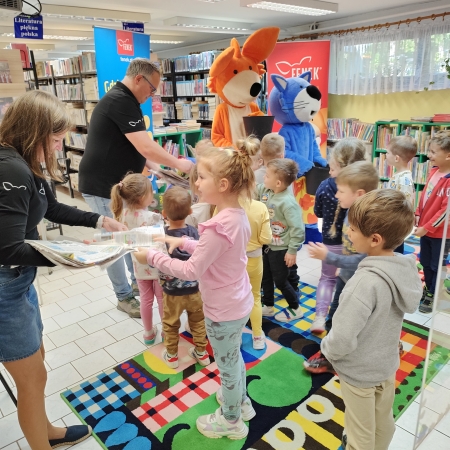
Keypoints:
(51, 36)
(190, 22)
(305, 7)
(159, 41)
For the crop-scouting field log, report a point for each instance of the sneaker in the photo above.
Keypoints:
(344, 440)
(427, 304)
(74, 435)
(150, 336)
(400, 349)
(318, 364)
(289, 314)
(135, 288)
(259, 342)
(202, 359)
(247, 411)
(171, 361)
(424, 294)
(131, 306)
(318, 326)
(216, 426)
(268, 311)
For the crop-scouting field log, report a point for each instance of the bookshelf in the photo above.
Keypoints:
(421, 131)
(180, 138)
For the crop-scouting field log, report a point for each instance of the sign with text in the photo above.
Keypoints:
(114, 50)
(27, 27)
(291, 59)
(137, 27)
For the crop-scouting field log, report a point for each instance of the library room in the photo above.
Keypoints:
(157, 157)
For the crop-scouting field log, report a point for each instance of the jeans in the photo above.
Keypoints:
(430, 251)
(225, 339)
(116, 271)
(340, 284)
(276, 271)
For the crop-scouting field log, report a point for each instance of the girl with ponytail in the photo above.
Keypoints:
(218, 262)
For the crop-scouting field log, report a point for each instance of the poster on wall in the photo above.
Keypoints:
(291, 59)
(114, 50)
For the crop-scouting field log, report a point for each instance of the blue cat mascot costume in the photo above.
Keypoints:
(294, 102)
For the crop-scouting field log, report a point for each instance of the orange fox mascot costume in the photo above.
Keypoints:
(235, 77)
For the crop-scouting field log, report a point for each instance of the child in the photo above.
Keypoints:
(431, 215)
(181, 295)
(219, 261)
(261, 234)
(345, 152)
(352, 182)
(362, 346)
(202, 145)
(272, 146)
(135, 190)
(288, 234)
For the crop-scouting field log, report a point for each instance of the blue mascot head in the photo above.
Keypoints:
(294, 100)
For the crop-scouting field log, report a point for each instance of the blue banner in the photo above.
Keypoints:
(27, 27)
(114, 50)
(137, 27)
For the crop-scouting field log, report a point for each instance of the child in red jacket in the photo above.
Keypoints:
(431, 214)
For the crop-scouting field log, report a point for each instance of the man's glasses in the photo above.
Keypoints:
(151, 85)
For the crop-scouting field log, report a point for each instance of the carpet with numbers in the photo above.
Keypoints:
(142, 404)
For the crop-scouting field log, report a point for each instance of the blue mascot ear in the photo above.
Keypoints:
(279, 82)
(306, 76)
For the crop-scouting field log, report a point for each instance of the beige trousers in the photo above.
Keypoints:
(369, 421)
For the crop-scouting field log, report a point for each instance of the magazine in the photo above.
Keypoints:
(172, 177)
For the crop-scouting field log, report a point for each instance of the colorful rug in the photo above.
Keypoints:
(141, 404)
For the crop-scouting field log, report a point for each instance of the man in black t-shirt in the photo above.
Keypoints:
(118, 143)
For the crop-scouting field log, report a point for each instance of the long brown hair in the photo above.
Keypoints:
(131, 190)
(28, 126)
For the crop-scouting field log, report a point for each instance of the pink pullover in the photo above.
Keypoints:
(218, 262)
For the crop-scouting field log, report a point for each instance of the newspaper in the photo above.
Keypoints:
(172, 177)
(79, 255)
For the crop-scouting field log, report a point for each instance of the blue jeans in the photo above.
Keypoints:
(430, 252)
(116, 271)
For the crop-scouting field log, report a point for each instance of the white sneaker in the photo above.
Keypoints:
(247, 411)
(289, 314)
(171, 361)
(203, 360)
(216, 426)
(268, 311)
(259, 342)
(318, 326)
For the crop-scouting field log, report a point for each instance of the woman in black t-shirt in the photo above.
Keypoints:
(32, 130)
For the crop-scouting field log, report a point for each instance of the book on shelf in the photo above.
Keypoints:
(71, 66)
(445, 117)
(172, 148)
(169, 110)
(76, 112)
(385, 134)
(193, 63)
(421, 119)
(166, 88)
(5, 73)
(418, 169)
(76, 140)
(352, 127)
(166, 65)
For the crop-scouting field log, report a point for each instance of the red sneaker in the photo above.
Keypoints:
(318, 364)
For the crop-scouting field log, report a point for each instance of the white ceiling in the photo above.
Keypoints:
(351, 13)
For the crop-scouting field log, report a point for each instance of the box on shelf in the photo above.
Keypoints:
(74, 180)
(75, 159)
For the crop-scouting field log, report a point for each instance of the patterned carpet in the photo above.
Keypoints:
(141, 404)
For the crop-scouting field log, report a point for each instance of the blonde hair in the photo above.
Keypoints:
(253, 146)
(286, 169)
(131, 190)
(441, 139)
(403, 146)
(177, 203)
(201, 145)
(234, 165)
(272, 146)
(386, 212)
(142, 66)
(28, 126)
(347, 151)
(359, 175)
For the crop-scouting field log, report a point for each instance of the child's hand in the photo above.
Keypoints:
(173, 242)
(141, 255)
(317, 251)
(289, 259)
(420, 231)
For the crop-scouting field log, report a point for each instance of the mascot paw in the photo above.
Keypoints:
(256, 113)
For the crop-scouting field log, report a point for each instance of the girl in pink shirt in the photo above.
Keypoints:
(219, 263)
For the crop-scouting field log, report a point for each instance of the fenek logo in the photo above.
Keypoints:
(125, 44)
(295, 69)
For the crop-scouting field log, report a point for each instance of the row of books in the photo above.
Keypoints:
(68, 91)
(169, 110)
(77, 113)
(166, 65)
(192, 87)
(166, 88)
(385, 134)
(342, 128)
(193, 63)
(197, 110)
(77, 140)
(71, 66)
(422, 138)
(418, 169)
(172, 148)
(441, 117)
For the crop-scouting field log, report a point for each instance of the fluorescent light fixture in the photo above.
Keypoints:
(93, 14)
(190, 22)
(159, 41)
(305, 7)
(52, 36)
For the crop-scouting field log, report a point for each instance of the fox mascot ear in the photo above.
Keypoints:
(260, 44)
(306, 76)
(279, 82)
(222, 61)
